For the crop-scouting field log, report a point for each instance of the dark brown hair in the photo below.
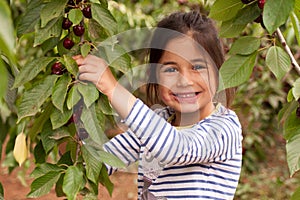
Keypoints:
(200, 28)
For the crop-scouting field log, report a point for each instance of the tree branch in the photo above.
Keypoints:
(288, 50)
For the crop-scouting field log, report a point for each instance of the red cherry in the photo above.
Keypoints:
(261, 3)
(66, 24)
(57, 68)
(87, 12)
(78, 30)
(68, 43)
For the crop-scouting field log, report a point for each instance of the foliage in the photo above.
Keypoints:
(50, 114)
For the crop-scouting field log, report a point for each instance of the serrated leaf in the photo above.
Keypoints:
(245, 45)
(291, 127)
(7, 33)
(31, 70)
(39, 153)
(247, 14)
(110, 159)
(278, 61)
(51, 30)
(20, 149)
(59, 118)
(60, 90)
(104, 106)
(296, 25)
(104, 179)
(229, 29)
(225, 10)
(293, 154)
(40, 121)
(85, 49)
(44, 168)
(276, 13)
(72, 182)
(70, 64)
(46, 133)
(73, 97)
(93, 164)
(91, 124)
(52, 10)
(75, 16)
(30, 17)
(35, 97)
(89, 93)
(104, 18)
(236, 70)
(43, 184)
(286, 111)
(296, 89)
(3, 80)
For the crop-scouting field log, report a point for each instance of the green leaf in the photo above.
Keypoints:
(296, 194)
(296, 89)
(72, 182)
(93, 164)
(104, 106)
(35, 97)
(30, 18)
(59, 118)
(60, 90)
(43, 184)
(245, 45)
(276, 13)
(286, 111)
(296, 25)
(44, 168)
(225, 10)
(104, 18)
(31, 70)
(46, 133)
(110, 159)
(104, 179)
(85, 49)
(73, 97)
(51, 30)
(229, 29)
(3, 80)
(89, 93)
(291, 127)
(7, 33)
(91, 124)
(247, 14)
(75, 16)
(52, 10)
(39, 122)
(293, 154)
(70, 64)
(236, 70)
(278, 61)
(39, 153)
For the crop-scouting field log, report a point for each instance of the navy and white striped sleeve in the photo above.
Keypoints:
(215, 139)
(125, 146)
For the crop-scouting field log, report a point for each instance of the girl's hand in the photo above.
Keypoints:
(96, 70)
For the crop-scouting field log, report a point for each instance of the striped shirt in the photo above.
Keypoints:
(199, 162)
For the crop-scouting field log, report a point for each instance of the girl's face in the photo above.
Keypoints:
(186, 78)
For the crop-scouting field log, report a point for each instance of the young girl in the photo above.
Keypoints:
(190, 148)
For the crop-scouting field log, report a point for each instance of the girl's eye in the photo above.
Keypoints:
(198, 67)
(170, 69)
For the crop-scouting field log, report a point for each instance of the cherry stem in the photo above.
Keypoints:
(288, 50)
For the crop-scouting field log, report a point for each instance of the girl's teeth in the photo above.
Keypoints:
(186, 95)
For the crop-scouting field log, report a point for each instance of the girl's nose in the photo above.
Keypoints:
(184, 79)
